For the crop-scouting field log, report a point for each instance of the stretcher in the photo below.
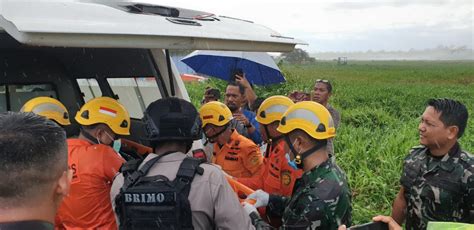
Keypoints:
(240, 190)
(128, 145)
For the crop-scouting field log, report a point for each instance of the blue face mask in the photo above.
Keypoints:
(291, 163)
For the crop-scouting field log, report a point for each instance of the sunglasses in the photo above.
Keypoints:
(322, 80)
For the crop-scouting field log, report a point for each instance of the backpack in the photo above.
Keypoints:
(155, 202)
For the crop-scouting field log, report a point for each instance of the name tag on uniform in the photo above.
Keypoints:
(231, 158)
(150, 198)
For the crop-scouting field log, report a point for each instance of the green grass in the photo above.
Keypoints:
(380, 104)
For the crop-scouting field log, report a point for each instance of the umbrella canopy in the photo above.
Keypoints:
(259, 68)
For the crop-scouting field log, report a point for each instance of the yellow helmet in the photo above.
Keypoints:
(215, 113)
(311, 117)
(272, 109)
(107, 111)
(49, 108)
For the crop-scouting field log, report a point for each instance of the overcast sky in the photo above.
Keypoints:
(357, 25)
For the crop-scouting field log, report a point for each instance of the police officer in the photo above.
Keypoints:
(48, 107)
(172, 125)
(437, 183)
(237, 155)
(321, 198)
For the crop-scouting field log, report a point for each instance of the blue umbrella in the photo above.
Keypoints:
(259, 68)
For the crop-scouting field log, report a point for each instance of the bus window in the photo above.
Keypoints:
(19, 94)
(135, 93)
(3, 99)
(89, 88)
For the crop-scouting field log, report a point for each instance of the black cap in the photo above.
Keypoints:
(172, 119)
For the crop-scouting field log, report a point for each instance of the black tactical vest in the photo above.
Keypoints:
(155, 202)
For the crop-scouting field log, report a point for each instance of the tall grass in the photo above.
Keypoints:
(380, 104)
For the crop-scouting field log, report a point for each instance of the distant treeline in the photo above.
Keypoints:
(438, 53)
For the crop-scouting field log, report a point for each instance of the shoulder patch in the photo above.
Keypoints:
(255, 160)
(286, 177)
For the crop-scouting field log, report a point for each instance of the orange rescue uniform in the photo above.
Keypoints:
(88, 204)
(239, 157)
(277, 177)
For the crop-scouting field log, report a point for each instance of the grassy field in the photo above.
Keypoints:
(380, 104)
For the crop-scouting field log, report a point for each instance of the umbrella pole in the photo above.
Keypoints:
(170, 73)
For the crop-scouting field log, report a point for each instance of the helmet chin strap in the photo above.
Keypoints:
(217, 134)
(271, 140)
(89, 136)
(299, 157)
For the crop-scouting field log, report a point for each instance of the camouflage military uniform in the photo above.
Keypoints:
(321, 200)
(438, 189)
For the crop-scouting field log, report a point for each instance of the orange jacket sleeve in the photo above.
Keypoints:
(112, 163)
(255, 182)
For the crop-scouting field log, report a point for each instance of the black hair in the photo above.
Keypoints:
(187, 143)
(327, 83)
(452, 113)
(256, 104)
(241, 87)
(214, 92)
(33, 152)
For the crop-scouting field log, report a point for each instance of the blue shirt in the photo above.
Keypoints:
(255, 136)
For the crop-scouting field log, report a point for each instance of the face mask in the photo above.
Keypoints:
(294, 163)
(263, 148)
(116, 144)
(291, 163)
